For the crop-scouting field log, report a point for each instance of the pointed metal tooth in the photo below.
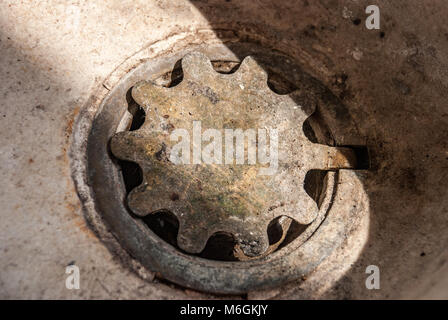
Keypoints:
(192, 239)
(195, 66)
(251, 71)
(145, 93)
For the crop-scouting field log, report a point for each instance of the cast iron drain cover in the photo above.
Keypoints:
(212, 194)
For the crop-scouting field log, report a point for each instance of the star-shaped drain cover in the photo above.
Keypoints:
(188, 149)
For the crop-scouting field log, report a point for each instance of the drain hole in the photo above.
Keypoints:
(362, 157)
(275, 231)
(138, 113)
(176, 75)
(164, 224)
(308, 131)
(315, 184)
(225, 67)
(132, 174)
(220, 246)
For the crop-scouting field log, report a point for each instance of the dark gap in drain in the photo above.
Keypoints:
(138, 113)
(225, 67)
(164, 224)
(275, 231)
(314, 184)
(362, 157)
(220, 246)
(132, 174)
(176, 75)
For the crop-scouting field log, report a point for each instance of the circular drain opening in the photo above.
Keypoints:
(104, 189)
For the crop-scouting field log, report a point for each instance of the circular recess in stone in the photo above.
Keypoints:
(210, 226)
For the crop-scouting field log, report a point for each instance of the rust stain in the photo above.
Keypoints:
(71, 120)
(72, 203)
(80, 224)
